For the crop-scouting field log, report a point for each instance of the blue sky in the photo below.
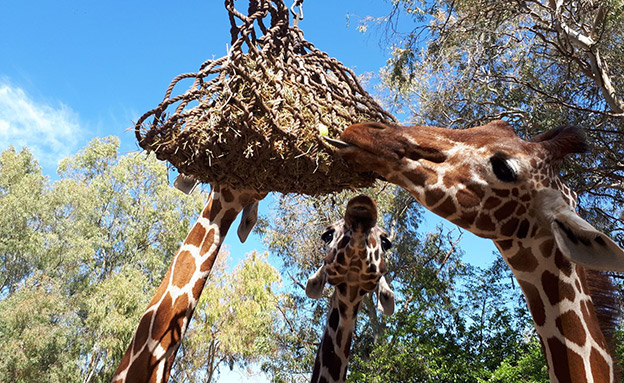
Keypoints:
(74, 70)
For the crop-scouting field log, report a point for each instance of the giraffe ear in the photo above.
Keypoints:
(248, 220)
(579, 241)
(583, 244)
(385, 297)
(316, 283)
(185, 184)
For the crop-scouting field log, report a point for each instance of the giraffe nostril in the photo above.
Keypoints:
(427, 154)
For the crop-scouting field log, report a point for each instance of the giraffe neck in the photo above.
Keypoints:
(332, 356)
(152, 351)
(563, 311)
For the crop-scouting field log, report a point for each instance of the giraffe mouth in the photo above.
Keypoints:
(337, 143)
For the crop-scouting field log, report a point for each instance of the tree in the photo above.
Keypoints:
(538, 63)
(81, 257)
(22, 187)
(234, 320)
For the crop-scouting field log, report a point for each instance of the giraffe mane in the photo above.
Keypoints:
(562, 141)
(606, 301)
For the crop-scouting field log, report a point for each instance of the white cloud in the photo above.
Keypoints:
(50, 132)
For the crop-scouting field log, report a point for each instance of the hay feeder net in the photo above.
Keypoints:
(252, 119)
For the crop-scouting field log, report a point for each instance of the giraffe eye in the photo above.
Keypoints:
(328, 236)
(385, 243)
(502, 170)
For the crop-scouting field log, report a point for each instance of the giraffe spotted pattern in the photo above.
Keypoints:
(498, 186)
(355, 265)
(151, 354)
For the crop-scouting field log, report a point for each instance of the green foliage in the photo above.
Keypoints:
(37, 336)
(80, 258)
(234, 320)
(22, 213)
(538, 64)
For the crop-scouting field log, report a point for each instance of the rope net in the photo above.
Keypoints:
(253, 118)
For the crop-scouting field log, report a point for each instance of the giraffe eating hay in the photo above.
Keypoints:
(153, 348)
(498, 186)
(355, 265)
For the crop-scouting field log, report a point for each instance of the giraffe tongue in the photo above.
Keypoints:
(337, 143)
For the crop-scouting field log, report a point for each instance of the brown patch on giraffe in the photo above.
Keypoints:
(571, 327)
(515, 192)
(534, 300)
(163, 319)
(174, 336)
(567, 364)
(583, 277)
(330, 359)
(373, 242)
(198, 287)
(215, 208)
(334, 319)
(505, 211)
(227, 195)
(317, 368)
(504, 193)
(457, 173)
(546, 247)
(505, 245)
(162, 289)
(142, 332)
(122, 365)
(562, 263)
(509, 227)
(341, 259)
(467, 219)
(491, 203)
(533, 163)
(206, 244)
(526, 197)
(184, 269)
(446, 208)
(589, 316)
(523, 260)
(228, 218)
(523, 229)
(433, 196)
(196, 235)
(484, 222)
(600, 369)
(142, 365)
(534, 232)
(557, 290)
(476, 189)
(370, 286)
(339, 336)
(521, 210)
(417, 178)
(467, 199)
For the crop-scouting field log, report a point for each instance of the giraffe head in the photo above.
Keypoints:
(487, 180)
(354, 261)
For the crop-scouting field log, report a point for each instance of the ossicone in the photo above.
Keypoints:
(562, 141)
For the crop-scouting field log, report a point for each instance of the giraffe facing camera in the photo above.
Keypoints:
(491, 182)
(355, 265)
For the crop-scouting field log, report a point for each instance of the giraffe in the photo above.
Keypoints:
(491, 182)
(355, 265)
(152, 351)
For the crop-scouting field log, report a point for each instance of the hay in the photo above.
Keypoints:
(251, 119)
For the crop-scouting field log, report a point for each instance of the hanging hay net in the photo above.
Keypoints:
(254, 118)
